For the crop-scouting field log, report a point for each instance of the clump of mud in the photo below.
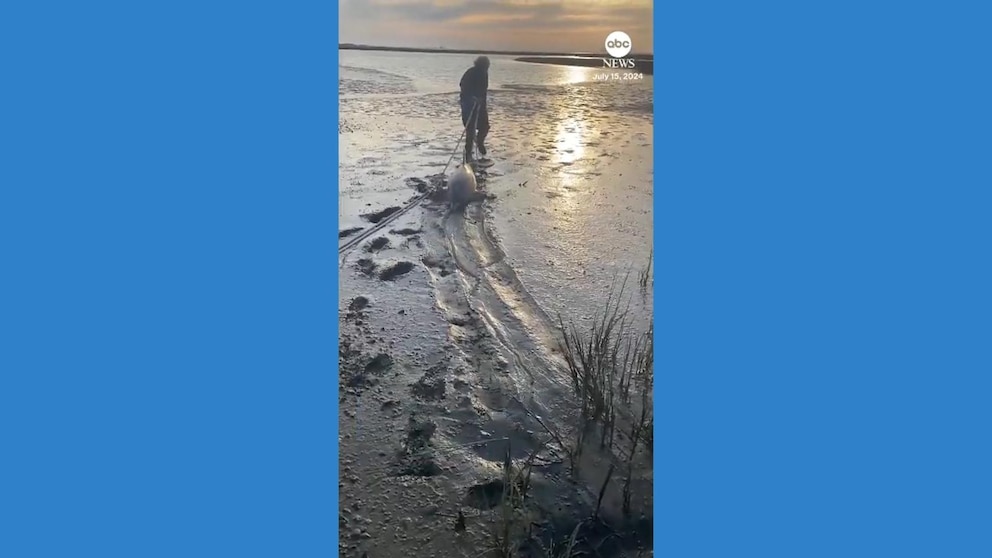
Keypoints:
(439, 188)
(395, 270)
(377, 244)
(366, 266)
(429, 386)
(379, 364)
(434, 262)
(346, 350)
(380, 215)
(362, 376)
(358, 304)
(486, 495)
(418, 184)
(416, 458)
(356, 310)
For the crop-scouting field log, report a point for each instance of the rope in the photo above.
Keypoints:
(347, 246)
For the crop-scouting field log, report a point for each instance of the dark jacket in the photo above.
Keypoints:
(475, 83)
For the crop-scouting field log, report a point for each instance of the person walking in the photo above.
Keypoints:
(474, 88)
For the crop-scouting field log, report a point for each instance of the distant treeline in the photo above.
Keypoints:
(350, 46)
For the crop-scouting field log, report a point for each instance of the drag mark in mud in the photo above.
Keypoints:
(381, 219)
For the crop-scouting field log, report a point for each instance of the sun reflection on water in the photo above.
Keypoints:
(576, 74)
(569, 140)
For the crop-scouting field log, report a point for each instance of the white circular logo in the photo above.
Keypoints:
(618, 44)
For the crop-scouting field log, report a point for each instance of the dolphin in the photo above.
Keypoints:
(463, 187)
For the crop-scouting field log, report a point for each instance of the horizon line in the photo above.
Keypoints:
(359, 46)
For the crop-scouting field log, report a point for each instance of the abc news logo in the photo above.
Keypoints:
(618, 45)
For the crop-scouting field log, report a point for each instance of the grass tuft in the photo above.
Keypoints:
(611, 366)
(645, 279)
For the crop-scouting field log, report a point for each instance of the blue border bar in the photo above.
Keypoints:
(170, 292)
(168, 320)
(822, 238)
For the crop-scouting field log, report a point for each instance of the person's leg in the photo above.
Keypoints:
(469, 141)
(466, 106)
(467, 115)
(483, 126)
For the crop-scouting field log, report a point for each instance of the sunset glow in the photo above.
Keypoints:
(517, 25)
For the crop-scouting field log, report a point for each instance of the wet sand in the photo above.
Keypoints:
(448, 356)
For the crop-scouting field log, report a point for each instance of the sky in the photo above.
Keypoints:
(521, 25)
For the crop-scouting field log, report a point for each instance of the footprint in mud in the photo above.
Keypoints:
(433, 262)
(368, 375)
(379, 364)
(395, 270)
(366, 266)
(432, 384)
(357, 305)
(349, 232)
(378, 216)
(492, 439)
(429, 387)
(377, 244)
(345, 348)
(406, 231)
(415, 458)
(486, 495)
(417, 184)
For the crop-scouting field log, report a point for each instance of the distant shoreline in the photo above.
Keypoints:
(644, 65)
(350, 46)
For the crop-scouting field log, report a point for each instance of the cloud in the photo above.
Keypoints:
(559, 25)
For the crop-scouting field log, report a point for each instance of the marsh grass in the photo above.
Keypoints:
(513, 519)
(565, 549)
(596, 360)
(611, 367)
(644, 277)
